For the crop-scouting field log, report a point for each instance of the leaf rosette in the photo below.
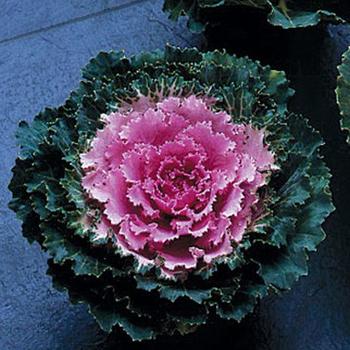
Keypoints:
(282, 13)
(199, 115)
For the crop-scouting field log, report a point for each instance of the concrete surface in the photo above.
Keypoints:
(43, 44)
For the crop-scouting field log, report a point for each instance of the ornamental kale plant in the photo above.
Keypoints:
(172, 188)
(343, 92)
(283, 13)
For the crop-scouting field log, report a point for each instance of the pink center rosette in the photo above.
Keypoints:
(176, 182)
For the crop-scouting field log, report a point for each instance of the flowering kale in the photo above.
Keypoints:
(171, 188)
(284, 13)
(343, 92)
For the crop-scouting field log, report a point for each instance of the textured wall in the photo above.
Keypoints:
(43, 44)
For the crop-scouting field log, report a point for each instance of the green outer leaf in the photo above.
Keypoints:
(62, 250)
(243, 303)
(173, 293)
(300, 18)
(19, 202)
(71, 183)
(34, 136)
(298, 14)
(343, 92)
(107, 318)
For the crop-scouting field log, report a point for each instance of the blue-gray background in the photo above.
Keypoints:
(43, 45)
